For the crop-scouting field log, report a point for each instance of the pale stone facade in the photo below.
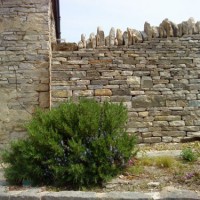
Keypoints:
(26, 32)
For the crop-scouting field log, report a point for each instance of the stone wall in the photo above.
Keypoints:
(157, 79)
(26, 32)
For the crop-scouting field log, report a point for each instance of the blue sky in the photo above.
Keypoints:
(84, 16)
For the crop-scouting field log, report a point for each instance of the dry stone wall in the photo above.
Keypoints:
(26, 32)
(157, 79)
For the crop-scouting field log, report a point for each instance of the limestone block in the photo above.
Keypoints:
(167, 118)
(197, 122)
(103, 92)
(135, 124)
(160, 123)
(44, 100)
(61, 93)
(152, 140)
(170, 103)
(167, 139)
(80, 93)
(83, 82)
(177, 123)
(193, 134)
(42, 87)
(194, 103)
(146, 82)
(143, 114)
(137, 93)
(146, 101)
(133, 80)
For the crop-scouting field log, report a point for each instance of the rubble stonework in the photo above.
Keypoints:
(26, 31)
(155, 72)
(131, 36)
(158, 81)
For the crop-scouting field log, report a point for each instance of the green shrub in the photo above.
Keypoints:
(74, 145)
(188, 154)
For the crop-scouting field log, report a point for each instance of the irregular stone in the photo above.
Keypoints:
(107, 41)
(88, 44)
(116, 42)
(180, 30)
(100, 37)
(191, 26)
(112, 37)
(148, 30)
(103, 92)
(130, 36)
(125, 38)
(80, 45)
(153, 184)
(155, 32)
(175, 29)
(83, 39)
(185, 28)
(166, 25)
(144, 36)
(137, 36)
(93, 40)
(198, 26)
(119, 37)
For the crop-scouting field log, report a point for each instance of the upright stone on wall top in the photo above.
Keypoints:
(112, 37)
(100, 37)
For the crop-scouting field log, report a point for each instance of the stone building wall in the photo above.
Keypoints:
(26, 32)
(158, 80)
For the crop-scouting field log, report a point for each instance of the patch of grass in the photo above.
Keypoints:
(165, 161)
(188, 154)
(136, 169)
(160, 161)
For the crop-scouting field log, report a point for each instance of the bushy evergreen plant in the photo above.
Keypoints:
(74, 145)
